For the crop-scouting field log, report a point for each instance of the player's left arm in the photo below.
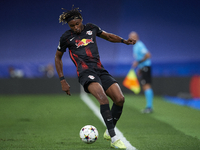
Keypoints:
(116, 39)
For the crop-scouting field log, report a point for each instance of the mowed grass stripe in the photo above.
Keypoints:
(149, 132)
(182, 118)
(54, 121)
(49, 122)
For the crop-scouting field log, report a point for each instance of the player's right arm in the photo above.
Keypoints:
(59, 68)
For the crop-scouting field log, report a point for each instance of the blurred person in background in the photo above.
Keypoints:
(47, 70)
(143, 63)
(15, 73)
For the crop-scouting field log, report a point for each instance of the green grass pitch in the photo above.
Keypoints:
(53, 122)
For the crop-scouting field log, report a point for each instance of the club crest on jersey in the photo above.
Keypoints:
(91, 77)
(84, 42)
(89, 32)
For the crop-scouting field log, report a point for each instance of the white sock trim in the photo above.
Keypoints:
(107, 132)
(114, 138)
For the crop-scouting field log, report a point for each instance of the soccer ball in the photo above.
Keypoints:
(88, 134)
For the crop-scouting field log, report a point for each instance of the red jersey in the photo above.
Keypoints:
(82, 47)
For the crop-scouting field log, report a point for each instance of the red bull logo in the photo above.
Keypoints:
(84, 42)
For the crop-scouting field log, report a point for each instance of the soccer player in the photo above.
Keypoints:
(80, 40)
(143, 62)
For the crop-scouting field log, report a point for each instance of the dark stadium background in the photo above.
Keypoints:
(30, 33)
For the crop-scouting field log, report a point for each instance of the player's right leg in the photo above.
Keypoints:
(115, 93)
(97, 91)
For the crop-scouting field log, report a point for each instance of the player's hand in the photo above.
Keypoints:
(130, 41)
(65, 87)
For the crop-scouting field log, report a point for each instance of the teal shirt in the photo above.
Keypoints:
(139, 51)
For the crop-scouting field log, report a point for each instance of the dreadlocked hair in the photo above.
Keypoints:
(65, 16)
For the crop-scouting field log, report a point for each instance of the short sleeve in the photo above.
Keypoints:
(62, 46)
(98, 29)
(143, 48)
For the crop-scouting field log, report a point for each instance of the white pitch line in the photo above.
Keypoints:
(96, 111)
